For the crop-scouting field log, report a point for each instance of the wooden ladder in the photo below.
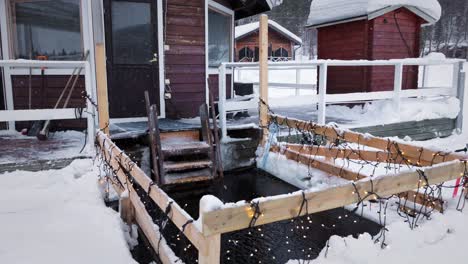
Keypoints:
(179, 159)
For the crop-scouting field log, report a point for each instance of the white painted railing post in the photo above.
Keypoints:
(222, 100)
(462, 94)
(298, 81)
(91, 116)
(322, 102)
(397, 86)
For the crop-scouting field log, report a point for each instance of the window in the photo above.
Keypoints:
(281, 53)
(219, 38)
(246, 53)
(50, 28)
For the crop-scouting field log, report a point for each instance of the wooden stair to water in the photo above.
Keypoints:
(181, 158)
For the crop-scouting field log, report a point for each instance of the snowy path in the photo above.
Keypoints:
(58, 217)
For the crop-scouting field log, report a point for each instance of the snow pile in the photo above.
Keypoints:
(243, 30)
(58, 216)
(412, 109)
(326, 11)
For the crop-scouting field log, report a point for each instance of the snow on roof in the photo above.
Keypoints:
(246, 29)
(330, 11)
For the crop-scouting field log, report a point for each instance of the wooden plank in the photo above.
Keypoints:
(119, 160)
(420, 198)
(127, 211)
(347, 153)
(101, 83)
(323, 165)
(263, 61)
(39, 114)
(280, 208)
(409, 151)
(214, 256)
(152, 139)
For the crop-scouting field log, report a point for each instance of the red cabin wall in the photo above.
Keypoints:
(373, 40)
(45, 92)
(344, 42)
(275, 40)
(388, 43)
(185, 60)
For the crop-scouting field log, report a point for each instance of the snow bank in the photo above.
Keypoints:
(58, 216)
(325, 11)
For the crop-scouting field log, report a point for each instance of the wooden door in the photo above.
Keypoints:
(132, 60)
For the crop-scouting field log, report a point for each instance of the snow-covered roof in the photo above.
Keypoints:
(327, 12)
(246, 29)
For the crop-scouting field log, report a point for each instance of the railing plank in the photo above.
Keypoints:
(41, 114)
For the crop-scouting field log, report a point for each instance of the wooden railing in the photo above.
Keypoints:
(11, 115)
(457, 88)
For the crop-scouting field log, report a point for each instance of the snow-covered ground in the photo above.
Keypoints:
(58, 216)
(434, 241)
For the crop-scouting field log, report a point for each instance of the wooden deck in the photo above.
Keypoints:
(28, 153)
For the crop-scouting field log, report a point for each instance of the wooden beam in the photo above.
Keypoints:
(214, 255)
(323, 165)
(411, 152)
(126, 209)
(263, 61)
(280, 208)
(101, 82)
(121, 162)
(348, 153)
(420, 198)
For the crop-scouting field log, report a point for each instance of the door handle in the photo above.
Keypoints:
(155, 58)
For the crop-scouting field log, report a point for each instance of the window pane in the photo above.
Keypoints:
(219, 38)
(132, 32)
(47, 28)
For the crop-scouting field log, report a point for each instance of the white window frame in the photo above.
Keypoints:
(87, 38)
(214, 6)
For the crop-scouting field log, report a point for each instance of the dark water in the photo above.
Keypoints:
(302, 238)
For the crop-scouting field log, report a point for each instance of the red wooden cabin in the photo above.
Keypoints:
(390, 32)
(282, 42)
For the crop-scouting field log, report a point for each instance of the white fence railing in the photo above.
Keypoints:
(11, 115)
(456, 88)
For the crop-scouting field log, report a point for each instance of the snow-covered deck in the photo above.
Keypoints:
(21, 152)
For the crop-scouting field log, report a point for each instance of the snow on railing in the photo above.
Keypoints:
(456, 88)
(11, 115)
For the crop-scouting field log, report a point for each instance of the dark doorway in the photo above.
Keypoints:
(132, 60)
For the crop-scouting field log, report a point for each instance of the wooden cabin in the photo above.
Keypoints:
(282, 42)
(357, 31)
(168, 47)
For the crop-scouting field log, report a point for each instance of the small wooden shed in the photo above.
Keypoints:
(370, 30)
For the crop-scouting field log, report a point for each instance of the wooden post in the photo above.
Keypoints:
(126, 209)
(462, 94)
(101, 82)
(263, 60)
(101, 73)
(213, 255)
(323, 68)
(397, 86)
(298, 81)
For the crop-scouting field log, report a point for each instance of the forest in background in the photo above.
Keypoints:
(449, 35)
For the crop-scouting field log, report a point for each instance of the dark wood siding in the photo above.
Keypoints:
(185, 59)
(394, 41)
(213, 82)
(376, 39)
(275, 40)
(2, 99)
(45, 93)
(344, 42)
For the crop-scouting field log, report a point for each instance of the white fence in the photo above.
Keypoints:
(11, 115)
(456, 88)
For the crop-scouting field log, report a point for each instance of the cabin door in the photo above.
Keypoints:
(132, 59)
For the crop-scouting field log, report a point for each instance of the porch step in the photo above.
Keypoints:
(188, 177)
(172, 166)
(185, 148)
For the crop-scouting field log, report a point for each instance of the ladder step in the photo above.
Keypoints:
(172, 166)
(188, 177)
(185, 148)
